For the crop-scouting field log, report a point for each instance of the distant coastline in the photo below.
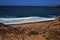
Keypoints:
(58, 6)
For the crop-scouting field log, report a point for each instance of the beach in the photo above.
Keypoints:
(46, 30)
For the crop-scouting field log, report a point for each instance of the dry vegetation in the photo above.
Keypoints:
(33, 31)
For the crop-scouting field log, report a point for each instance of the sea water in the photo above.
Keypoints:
(26, 14)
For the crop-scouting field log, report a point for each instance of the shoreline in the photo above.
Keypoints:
(31, 31)
(25, 20)
(32, 22)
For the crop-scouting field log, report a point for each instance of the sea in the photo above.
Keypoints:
(27, 14)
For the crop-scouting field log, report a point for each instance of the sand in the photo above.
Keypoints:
(47, 30)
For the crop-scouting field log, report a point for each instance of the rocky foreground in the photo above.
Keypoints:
(49, 30)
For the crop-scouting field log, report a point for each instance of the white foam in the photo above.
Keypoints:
(23, 20)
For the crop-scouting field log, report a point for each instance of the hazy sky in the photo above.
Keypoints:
(30, 2)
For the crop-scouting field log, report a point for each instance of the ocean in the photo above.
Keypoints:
(25, 14)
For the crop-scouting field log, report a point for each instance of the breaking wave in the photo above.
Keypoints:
(24, 20)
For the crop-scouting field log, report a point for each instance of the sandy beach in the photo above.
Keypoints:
(46, 30)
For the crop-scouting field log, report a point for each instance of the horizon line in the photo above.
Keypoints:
(29, 5)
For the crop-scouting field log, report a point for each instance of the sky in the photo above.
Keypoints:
(30, 2)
